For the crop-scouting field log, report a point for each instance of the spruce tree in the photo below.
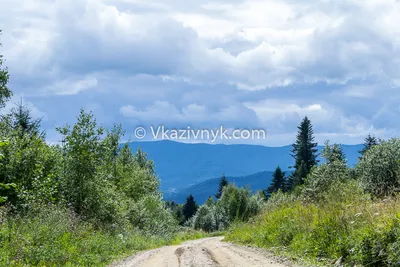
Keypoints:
(22, 121)
(369, 142)
(222, 183)
(189, 208)
(305, 153)
(278, 182)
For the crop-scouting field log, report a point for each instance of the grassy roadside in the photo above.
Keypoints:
(54, 238)
(351, 229)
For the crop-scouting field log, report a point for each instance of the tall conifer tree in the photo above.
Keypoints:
(278, 182)
(189, 208)
(305, 153)
(369, 142)
(222, 183)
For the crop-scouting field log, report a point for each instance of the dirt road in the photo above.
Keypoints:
(210, 252)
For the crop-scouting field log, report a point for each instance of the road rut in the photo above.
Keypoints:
(207, 252)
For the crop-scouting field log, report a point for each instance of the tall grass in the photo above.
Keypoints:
(347, 226)
(56, 237)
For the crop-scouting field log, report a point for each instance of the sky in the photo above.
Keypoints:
(238, 63)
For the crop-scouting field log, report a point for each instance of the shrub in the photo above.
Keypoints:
(235, 205)
(205, 219)
(331, 173)
(379, 169)
(347, 224)
(238, 204)
(150, 215)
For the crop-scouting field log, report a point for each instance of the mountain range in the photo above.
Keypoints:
(183, 167)
(203, 190)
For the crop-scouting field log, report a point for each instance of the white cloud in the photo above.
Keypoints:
(336, 61)
(72, 86)
(293, 42)
(163, 112)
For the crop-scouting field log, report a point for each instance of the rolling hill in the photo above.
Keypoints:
(205, 189)
(181, 165)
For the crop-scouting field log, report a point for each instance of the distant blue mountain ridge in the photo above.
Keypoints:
(203, 190)
(182, 166)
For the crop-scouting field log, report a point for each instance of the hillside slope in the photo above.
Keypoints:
(205, 189)
(181, 165)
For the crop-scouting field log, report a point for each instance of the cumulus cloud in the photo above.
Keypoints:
(243, 62)
(162, 112)
(274, 43)
(71, 86)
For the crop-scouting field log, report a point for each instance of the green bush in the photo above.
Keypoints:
(205, 219)
(379, 168)
(331, 173)
(55, 236)
(235, 205)
(150, 215)
(238, 204)
(346, 224)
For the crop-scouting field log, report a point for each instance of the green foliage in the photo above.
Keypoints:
(278, 182)
(135, 174)
(56, 236)
(330, 174)
(348, 226)
(210, 202)
(369, 142)
(332, 216)
(85, 182)
(83, 203)
(305, 153)
(222, 183)
(379, 169)
(333, 153)
(30, 164)
(150, 215)
(189, 208)
(21, 121)
(205, 219)
(238, 204)
(176, 210)
(3, 186)
(235, 205)
(5, 92)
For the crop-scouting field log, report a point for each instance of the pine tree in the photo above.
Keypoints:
(369, 142)
(22, 121)
(305, 153)
(222, 183)
(189, 208)
(278, 182)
